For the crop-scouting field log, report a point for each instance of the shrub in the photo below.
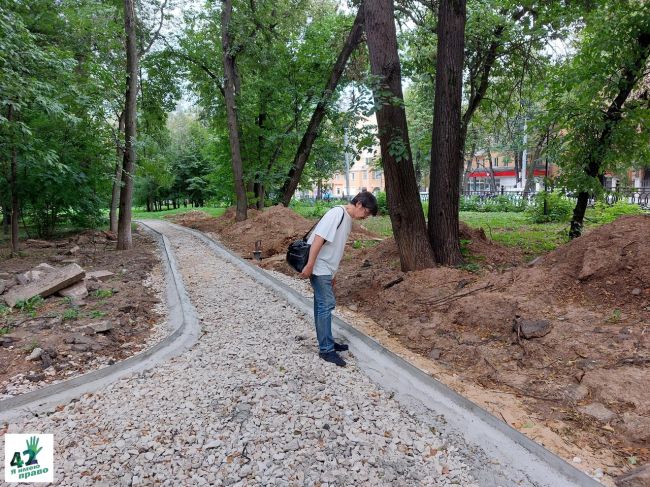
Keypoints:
(503, 203)
(604, 213)
(470, 203)
(382, 203)
(558, 208)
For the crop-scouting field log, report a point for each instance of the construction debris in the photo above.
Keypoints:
(48, 284)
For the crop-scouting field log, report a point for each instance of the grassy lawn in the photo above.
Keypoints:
(515, 230)
(141, 214)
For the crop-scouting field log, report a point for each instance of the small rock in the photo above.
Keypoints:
(213, 444)
(36, 354)
(577, 460)
(435, 354)
(101, 326)
(353, 307)
(35, 377)
(74, 250)
(598, 411)
(636, 291)
(532, 328)
(639, 477)
(99, 275)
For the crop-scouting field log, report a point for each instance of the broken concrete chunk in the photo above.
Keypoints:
(99, 275)
(598, 411)
(6, 284)
(532, 328)
(35, 274)
(639, 477)
(36, 354)
(101, 326)
(49, 284)
(77, 291)
(74, 250)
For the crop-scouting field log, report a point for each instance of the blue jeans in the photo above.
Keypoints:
(324, 303)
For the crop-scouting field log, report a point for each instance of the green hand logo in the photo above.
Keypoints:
(32, 450)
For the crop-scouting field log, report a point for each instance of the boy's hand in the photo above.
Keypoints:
(307, 271)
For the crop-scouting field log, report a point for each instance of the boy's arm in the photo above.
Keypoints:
(316, 245)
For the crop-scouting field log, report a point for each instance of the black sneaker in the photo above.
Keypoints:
(340, 347)
(333, 358)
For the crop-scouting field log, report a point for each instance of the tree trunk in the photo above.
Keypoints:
(629, 77)
(405, 208)
(260, 194)
(13, 185)
(124, 240)
(117, 180)
(493, 182)
(468, 168)
(447, 142)
(302, 154)
(231, 90)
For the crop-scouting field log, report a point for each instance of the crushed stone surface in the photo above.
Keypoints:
(250, 404)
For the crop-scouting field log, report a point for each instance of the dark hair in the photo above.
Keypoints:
(367, 200)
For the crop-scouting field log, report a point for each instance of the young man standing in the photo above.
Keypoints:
(327, 246)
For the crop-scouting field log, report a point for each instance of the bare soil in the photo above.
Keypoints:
(61, 327)
(582, 390)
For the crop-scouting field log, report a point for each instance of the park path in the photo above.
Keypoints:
(249, 404)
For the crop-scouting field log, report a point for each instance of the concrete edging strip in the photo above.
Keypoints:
(182, 316)
(514, 450)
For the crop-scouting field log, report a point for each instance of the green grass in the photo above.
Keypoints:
(103, 293)
(158, 215)
(70, 314)
(96, 314)
(507, 228)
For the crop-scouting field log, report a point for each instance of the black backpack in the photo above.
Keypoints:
(298, 251)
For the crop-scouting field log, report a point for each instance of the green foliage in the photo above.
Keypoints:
(4, 310)
(596, 122)
(604, 213)
(70, 314)
(382, 203)
(96, 314)
(30, 305)
(5, 330)
(499, 203)
(33, 345)
(559, 208)
(103, 293)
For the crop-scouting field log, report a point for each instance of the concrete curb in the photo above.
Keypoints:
(515, 452)
(182, 317)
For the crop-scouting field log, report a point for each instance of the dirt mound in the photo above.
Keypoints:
(607, 265)
(274, 227)
(488, 252)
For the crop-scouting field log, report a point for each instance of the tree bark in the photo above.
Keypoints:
(302, 154)
(493, 182)
(117, 180)
(15, 204)
(405, 208)
(231, 90)
(629, 77)
(447, 143)
(124, 240)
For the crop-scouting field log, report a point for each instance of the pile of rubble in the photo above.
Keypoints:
(45, 280)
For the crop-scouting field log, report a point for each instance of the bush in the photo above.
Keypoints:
(503, 203)
(470, 203)
(382, 203)
(604, 213)
(559, 208)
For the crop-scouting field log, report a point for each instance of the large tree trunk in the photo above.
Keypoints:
(117, 179)
(447, 142)
(231, 90)
(302, 154)
(629, 77)
(124, 240)
(406, 215)
(15, 205)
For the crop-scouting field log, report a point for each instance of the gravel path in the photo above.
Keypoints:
(250, 404)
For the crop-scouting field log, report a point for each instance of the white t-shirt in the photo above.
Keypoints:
(332, 250)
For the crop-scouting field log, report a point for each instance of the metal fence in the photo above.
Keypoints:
(640, 196)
